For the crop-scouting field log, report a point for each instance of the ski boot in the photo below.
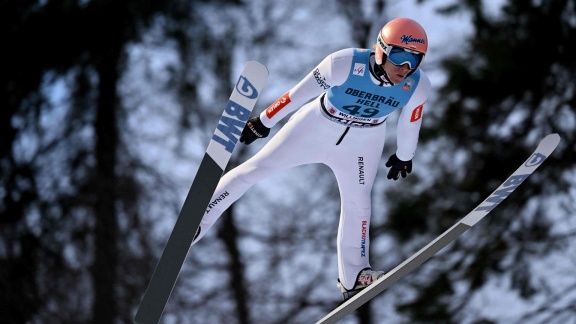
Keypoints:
(365, 278)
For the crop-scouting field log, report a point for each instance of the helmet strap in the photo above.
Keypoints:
(379, 72)
(385, 75)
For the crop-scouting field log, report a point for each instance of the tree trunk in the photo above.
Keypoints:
(104, 272)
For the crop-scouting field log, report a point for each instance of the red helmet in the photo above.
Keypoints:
(402, 33)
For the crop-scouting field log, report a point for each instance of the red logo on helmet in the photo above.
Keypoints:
(417, 113)
(278, 105)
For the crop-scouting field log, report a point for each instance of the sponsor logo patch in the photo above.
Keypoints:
(320, 79)
(278, 105)
(535, 159)
(417, 113)
(363, 238)
(408, 84)
(361, 177)
(359, 69)
(245, 88)
(215, 202)
(407, 39)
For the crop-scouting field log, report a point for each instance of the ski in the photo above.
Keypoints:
(230, 126)
(546, 146)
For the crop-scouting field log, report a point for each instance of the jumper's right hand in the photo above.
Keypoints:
(253, 130)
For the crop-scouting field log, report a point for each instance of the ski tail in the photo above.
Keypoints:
(237, 111)
(546, 146)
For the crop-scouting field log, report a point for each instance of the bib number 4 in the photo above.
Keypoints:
(360, 111)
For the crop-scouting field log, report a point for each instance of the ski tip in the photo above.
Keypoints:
(255, 65)
(551, 140)
(548, 144)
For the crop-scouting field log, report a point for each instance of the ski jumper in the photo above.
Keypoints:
(344, 127)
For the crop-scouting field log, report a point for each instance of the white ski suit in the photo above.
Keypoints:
(344, 127)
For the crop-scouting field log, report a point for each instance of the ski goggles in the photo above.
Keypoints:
(399, 56)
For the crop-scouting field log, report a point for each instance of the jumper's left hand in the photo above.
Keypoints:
(398, 167)
(253, 130)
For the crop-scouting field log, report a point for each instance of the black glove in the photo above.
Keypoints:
(253, 130)
(398, 167)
